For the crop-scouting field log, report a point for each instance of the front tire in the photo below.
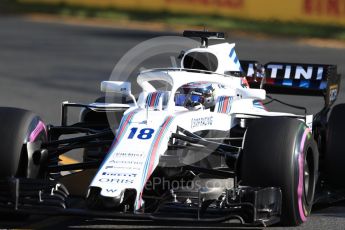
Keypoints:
(21, 133)
(18, 129)
(280, 152)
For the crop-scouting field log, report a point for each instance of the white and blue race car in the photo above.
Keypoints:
(203, 148)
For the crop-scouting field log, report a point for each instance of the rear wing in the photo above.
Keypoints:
(295, 78)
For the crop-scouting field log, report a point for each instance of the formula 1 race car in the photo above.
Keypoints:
(203, 149)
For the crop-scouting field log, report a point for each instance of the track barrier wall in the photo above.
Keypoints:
(330, 12)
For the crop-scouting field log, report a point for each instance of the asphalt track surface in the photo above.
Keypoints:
(43, 64)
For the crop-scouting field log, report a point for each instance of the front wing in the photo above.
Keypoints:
(243, 205)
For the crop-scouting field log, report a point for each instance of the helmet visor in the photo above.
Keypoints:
(181, 99)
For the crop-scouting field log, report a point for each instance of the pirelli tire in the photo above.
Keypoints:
(281, 152)
(335, 154)
(20, 130)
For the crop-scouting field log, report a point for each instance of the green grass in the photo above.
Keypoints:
(211, 22)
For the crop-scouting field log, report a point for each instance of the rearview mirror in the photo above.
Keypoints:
(121, 87)
(257, 94)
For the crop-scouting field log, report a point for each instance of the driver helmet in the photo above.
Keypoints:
(195, 94)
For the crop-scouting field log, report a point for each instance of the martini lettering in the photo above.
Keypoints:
(290, 71)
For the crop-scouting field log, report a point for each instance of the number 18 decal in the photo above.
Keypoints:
(144, 134)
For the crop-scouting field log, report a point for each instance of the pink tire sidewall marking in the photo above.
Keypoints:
(36, 132)
(301, 175)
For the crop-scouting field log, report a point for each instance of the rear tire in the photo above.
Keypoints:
(335, 154)
(280, 152)
(91, 117)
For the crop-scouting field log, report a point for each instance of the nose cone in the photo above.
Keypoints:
(94, 199)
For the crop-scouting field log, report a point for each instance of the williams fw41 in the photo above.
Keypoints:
(203, 148)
